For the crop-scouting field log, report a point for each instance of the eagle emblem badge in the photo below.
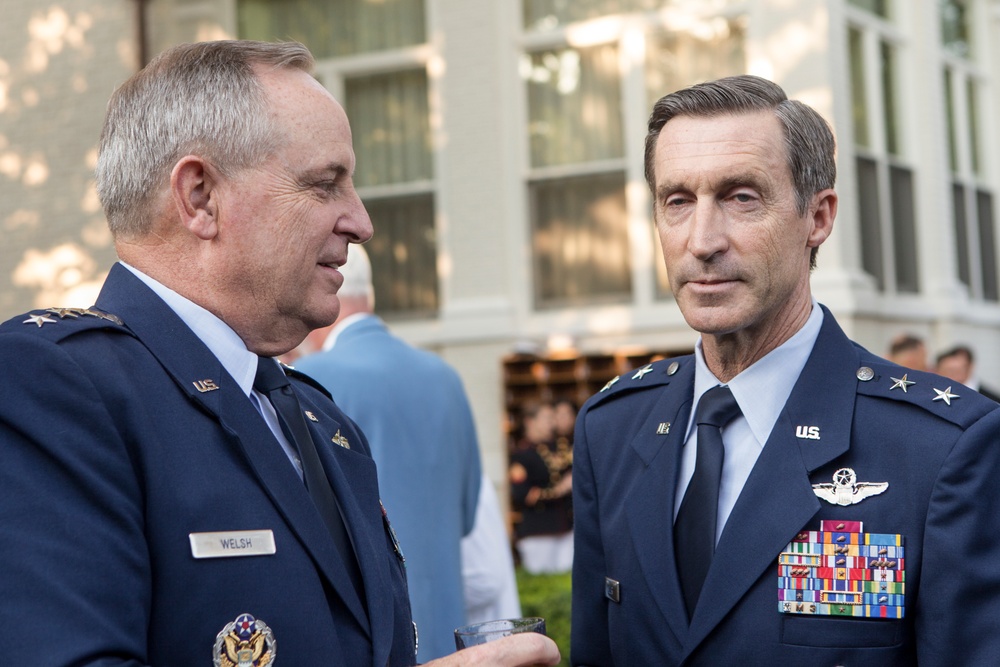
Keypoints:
(846, 490)
(245, 642)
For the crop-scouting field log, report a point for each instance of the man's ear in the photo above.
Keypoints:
(193, 183)
(822, 212)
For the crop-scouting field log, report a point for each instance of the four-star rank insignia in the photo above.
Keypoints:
(63, 313)
(245, 642)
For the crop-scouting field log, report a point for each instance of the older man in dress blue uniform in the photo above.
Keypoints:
(412, 407)
(782, 496)
(169, 495)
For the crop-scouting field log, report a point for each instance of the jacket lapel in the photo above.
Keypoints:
(651, 499)
(191, 364)
(777, 500)
(353, 477)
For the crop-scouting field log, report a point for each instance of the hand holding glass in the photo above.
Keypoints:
(481, 633)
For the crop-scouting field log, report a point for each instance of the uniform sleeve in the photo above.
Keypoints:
(590, 644)
(958, 600)
(75, 587)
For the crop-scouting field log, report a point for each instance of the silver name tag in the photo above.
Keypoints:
(232, 543)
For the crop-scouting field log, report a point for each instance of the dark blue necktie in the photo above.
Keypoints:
(271, 381)
(695, 528)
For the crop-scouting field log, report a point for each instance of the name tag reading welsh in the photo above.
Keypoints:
(232, 544)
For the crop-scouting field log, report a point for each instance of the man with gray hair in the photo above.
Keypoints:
(412, 407)
(170, 495)
(782, 496)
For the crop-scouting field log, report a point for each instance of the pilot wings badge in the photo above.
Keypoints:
(846, 490)
(245, 642)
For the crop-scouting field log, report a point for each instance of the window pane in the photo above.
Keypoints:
(970, 96)
(987, 245)
(389, 119)
(961, 233)
(334, 27)
(574, 106)
(879, 7)
(949, 107)
(677, 60)
(904, 230)
(580, 240)
(871, 233)
(549, 14)
(404, 255)
(859, 101)
(889, 98)
(955, 27)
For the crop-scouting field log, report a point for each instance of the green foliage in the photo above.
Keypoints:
(548, 596)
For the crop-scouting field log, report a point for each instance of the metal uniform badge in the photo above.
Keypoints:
(840, 570)
(245, 642)
(846, 490)
(392, 535)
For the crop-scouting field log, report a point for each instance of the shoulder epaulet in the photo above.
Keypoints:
(651, 375)
(299, 375)
(59, 323)
(947, 399)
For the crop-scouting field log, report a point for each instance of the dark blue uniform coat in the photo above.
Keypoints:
(114, 447)
(942, 464)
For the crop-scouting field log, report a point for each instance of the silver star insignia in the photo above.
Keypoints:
(945, 396)
(610, 382)
(39, 320)
(648, 368)
(901, 383)
(846, 490)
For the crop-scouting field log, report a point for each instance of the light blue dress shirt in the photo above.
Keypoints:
(761, 392)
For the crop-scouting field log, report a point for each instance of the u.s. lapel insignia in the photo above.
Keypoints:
(604, 388)
(641, 373)
(311, 416)
(807, 432)
(338, 439)
(245, 642)
(846, 490)
(663, 428)
(40, 320)
(205, 385)
(945, 395)
(901, 383)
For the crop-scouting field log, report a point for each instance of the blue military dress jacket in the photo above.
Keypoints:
(413, 409)
(121, 436)
(849, 412)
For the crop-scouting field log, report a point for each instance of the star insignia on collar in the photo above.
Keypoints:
(945, 396)
(901, 383)
(605, 387)
(639, 374)
(40, 320)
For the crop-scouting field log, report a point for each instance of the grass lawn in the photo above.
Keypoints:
(548, 596)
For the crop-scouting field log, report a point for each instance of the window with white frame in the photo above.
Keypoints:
(374, 56)
(578, 108)
(885, 177)
(972, 198)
